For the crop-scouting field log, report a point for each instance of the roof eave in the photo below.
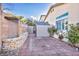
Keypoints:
(57, 4)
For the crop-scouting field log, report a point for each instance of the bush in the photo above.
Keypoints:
(73, 34)
(30, 23)
(52, 31)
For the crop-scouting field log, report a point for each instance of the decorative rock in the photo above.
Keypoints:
(14, 43)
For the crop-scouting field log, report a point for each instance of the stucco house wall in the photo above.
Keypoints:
(73, 13)
(71, 8)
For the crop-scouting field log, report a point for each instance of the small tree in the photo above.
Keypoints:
(20, 17)
(30, 23)
(24, 20)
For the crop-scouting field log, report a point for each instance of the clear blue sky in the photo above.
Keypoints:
(27, 9)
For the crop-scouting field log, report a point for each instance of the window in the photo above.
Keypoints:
(63, 15)
(61, 21)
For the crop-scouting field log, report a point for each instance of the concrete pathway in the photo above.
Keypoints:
(46, 46)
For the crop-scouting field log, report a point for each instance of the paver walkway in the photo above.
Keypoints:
(46, 46)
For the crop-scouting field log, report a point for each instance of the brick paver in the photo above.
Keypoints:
(47, 46)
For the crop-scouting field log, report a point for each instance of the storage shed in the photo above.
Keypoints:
(42, 29)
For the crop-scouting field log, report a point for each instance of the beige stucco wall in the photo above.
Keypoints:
(73, 13)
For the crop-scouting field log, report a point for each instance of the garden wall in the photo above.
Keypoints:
(14, 43)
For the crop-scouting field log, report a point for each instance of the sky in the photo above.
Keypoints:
(27, 10)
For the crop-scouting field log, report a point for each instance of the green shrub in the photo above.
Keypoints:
(52, 31)
(73, 34)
